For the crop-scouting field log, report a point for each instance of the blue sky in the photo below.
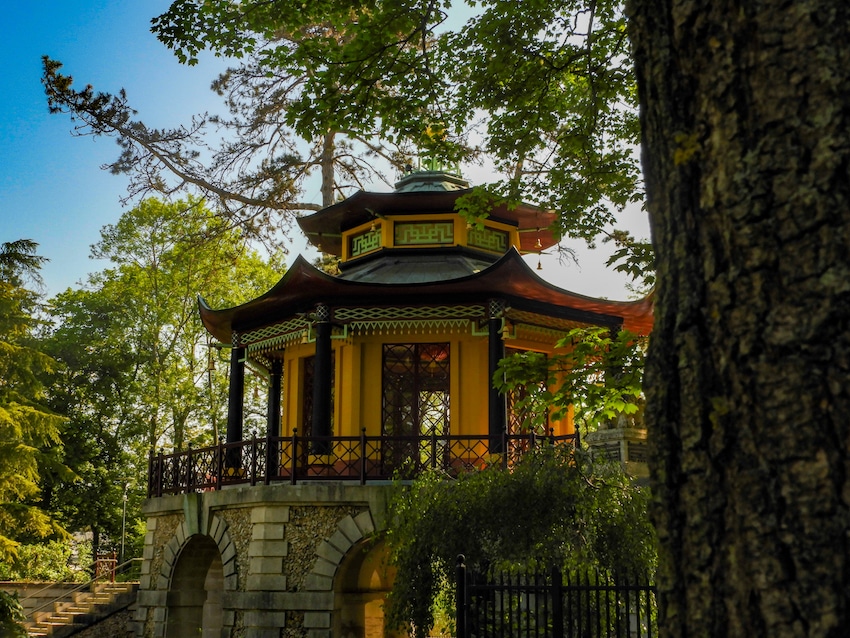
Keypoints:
(52, 189)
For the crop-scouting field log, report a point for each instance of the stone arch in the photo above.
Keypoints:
(197, 569)
(361, 586)
(330, 553)
(348, 566)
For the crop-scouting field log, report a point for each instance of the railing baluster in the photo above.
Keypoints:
(433, 449)
(294, 459)
(272, 459)
(188, 474)
(253, 479)
(363, 456)
(167, 474)
(505, 450)
(219, 465)
(151, 474)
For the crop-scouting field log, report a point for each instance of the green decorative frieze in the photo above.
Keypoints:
(488, 239)
(365, 242)
(423, 233)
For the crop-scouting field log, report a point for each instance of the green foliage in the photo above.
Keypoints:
(48, 562)
(11, 617)
(136, 361)
(552, 508)
(29, 431)
(543, 92)
(597, 375)
(547, 87)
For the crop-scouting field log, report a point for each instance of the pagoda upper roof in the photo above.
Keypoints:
(416, 194)
(303, 286)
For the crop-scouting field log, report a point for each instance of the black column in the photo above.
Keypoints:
(273, 419)
(235, 405)
(322, 374)
(496, 352)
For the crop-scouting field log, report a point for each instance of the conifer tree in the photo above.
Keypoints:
(29, 432)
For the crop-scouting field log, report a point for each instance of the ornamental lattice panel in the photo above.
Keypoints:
(423, 233)
(365, 242)
(487, 239)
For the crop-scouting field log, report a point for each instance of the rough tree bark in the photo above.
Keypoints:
(746, 138)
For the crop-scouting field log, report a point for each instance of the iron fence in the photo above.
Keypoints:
(363, 458)
(552, 605)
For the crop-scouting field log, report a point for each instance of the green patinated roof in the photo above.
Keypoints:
(430, 182)
(411, 267)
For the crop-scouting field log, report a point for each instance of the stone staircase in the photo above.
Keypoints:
(80, 609)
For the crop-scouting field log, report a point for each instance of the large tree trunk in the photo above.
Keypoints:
(746, 138)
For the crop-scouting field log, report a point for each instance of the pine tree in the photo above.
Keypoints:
(29, 433)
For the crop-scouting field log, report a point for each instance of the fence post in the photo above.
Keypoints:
(557, 603)
(460, 597)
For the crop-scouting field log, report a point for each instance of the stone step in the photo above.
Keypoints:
(85, 608)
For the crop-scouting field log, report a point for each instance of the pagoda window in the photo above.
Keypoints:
(415, 387)
(521, 407)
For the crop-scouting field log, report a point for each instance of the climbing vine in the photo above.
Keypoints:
(554, 507)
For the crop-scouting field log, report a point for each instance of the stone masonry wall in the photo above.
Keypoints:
(280, 547)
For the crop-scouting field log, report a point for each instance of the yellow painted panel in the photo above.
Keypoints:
(347, 405)
(370, 389)
(293, 385)
(472, 393)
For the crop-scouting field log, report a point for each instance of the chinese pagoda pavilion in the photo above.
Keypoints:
(377, 372)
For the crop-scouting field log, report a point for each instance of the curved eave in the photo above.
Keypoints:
(324, 228)
(303, 286)
(298, 290)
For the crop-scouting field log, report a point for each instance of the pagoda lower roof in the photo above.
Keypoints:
(510, 279)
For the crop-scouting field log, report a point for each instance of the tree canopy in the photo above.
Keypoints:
(29, 430)
(137, 371)
(350, 92)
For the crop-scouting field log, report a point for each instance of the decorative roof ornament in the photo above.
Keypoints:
(431, 174)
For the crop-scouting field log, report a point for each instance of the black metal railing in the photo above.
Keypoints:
(361, 458)
(552, 605)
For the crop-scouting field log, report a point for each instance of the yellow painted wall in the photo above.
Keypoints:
(357, 382)
(387, 229)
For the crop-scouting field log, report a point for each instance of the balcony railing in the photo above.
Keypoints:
(261, 461)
